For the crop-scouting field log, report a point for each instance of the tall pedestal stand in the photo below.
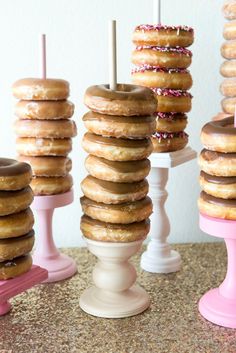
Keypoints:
(159, 257)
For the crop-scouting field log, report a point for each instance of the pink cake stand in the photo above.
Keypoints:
(46, 255)
(219, 304)
(12, 287)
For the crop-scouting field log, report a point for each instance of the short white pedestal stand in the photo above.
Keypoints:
(115, 294)
(159, 258)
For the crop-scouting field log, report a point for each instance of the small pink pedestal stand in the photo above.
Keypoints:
(46, 255)
(12, 287)
(219, 304)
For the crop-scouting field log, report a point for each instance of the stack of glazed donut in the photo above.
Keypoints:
(16, 218)
(44, 131)
(218, 169)
(162, 60)
(116, 207)
(228, 68)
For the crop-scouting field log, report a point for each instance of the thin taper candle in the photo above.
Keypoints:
(156, 11)
(43, 53)
(112, 55)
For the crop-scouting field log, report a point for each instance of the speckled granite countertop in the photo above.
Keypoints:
(48, 318)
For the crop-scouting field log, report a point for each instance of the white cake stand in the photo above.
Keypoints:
(115, 293)
(159, 258)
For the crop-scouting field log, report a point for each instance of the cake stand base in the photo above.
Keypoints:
(11, 287)
(218, 309)
(219, 305)
(5, 308)
(59, 267)
(95, 301)
(168, 264)
(115, 294)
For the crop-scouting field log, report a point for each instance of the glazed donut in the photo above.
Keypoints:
(113, 193)
(228, 105)
(110, 232)
(118, 172)
(51, 185)
(115, 149)
(127, 100)
(30, 146)
(173, 100)
(14, 175)
(153, 76)
(134, 127)
(171, 122)
(169, 142)
(44, 110)
(228, 68)
(41, 89)
(15, 247)
(15, 201)
(223, 187)
(163, 36)
(17, 224)
(216, 163)
(162, 56)
(15, 267)
(229, 9)
(220, 136)
(221, 116)
(229, 31)
(217, 207)
(228, 49)
(228, 87)
(48, 166)
(45, 128)
(125, 213)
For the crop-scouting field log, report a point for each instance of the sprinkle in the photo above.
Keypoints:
(169, 135)
(171, 92)
(170, 115)
(159, 27)
(147, 67)
(9, 264)
(178, 50)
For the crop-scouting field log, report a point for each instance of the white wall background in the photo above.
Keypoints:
(77, 51)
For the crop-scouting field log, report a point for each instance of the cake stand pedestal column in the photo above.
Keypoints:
(46, 255)
(159, 257)
(12, 287)
(219, 304)
(114, 295)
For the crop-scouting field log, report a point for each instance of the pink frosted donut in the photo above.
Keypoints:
(170, 100)
(162, 56)
(164, 36)
(154, 76)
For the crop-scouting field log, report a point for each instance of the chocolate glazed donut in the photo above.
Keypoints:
(220, 135)
(217, 207)
(218, 186)
(14, 175)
